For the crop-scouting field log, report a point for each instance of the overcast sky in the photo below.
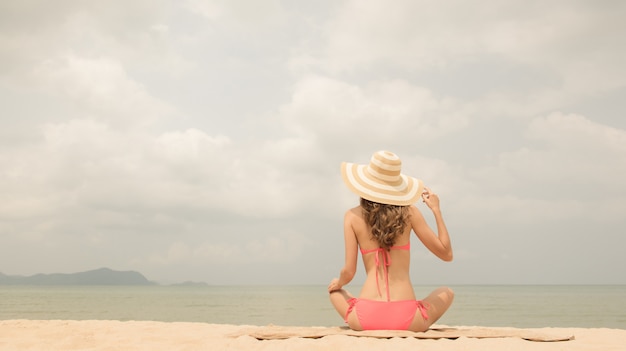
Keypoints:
(201, 140)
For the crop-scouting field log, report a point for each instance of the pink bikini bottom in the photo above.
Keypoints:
(386, 315)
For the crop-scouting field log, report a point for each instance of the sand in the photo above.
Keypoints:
(145, 335)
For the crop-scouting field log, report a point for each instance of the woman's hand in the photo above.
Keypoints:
(430, 199)
(334, 285)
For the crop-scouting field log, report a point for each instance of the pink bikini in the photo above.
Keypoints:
(385, 315)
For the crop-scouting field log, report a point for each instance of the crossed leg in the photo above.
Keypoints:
(339, 299)
(438, 303)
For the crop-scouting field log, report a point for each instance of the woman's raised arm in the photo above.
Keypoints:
(437, 244)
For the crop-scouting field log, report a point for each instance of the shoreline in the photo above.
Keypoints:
(24, 334)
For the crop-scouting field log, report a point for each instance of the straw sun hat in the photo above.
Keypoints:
(381, 180)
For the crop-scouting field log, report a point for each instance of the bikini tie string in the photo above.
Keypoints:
(386, 263)
(423, 306)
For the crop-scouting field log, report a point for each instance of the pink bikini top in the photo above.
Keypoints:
(386, 262)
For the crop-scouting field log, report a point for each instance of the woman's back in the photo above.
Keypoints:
(383, 266)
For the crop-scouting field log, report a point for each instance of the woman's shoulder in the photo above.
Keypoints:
(415, 216)
(354, 214)
(414, 210)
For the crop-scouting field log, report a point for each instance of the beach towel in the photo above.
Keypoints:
(272, 332)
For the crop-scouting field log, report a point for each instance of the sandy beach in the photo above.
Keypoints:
(147, 335)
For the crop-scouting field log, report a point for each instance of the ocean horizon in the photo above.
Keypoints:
(522, 306)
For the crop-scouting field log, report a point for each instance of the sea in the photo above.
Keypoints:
(522, 306)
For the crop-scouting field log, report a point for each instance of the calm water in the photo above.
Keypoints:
(516, 306)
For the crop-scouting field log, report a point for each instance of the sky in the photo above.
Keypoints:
(202, 140)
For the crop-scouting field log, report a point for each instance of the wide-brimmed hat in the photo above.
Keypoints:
(382, 181)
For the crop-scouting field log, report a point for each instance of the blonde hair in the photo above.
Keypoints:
(386, 221)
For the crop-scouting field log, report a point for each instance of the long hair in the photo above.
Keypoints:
(387, 221)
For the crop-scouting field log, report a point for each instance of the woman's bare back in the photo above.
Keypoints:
(375, 288)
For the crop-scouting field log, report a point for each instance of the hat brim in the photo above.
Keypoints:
(403, 193)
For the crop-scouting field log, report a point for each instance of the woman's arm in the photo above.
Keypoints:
(438, 244)
(351, 251)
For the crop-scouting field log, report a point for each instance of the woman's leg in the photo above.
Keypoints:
(437, 303)
(339, 299)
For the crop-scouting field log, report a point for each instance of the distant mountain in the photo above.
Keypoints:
(102, 276)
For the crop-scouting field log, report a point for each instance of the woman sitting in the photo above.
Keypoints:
(381, 227)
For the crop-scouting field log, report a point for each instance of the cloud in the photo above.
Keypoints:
(174, 136)
(567, 51)
(578, 134)
(89, 166)
(252, 15)
(38, 30)
(411, 34)
(569, 167)
(571, 150)
(337, 113)
(101, 88)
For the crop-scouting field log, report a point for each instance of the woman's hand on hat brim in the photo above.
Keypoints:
(430, 199)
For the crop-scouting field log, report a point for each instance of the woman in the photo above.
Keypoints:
(381, 226)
